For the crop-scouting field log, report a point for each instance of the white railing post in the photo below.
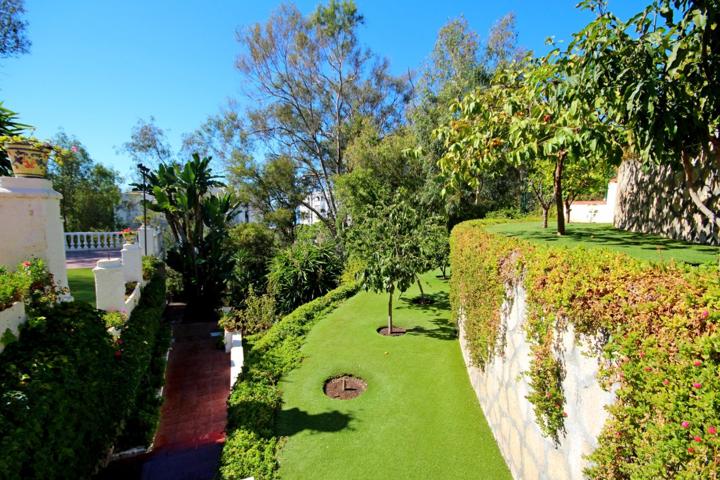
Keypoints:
(109, 285)
(132, 262)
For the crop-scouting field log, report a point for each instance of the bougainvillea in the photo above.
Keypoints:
(655, 333)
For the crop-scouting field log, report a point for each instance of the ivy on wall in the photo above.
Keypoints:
(653, 327)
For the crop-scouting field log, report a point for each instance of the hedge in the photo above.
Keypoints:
(65, 391)
(252, 444)
(656, 334)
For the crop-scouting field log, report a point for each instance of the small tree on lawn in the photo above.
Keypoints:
(388, 240)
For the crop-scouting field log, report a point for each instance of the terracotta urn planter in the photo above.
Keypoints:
(27, 159)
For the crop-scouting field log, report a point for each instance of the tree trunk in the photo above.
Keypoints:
(568, 203)
(443, 268)
(392, 289)
(422, 292)
(557, 180)
(546, 212)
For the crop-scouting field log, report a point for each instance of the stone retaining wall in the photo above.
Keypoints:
(501, 389)
(654, 199)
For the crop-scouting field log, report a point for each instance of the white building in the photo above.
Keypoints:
(309, 217)
(596, 211)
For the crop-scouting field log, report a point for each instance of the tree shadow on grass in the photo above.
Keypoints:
(610, 237)
(442, 331)
(294, 420)
(439, 302)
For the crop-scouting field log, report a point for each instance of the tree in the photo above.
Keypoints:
(657, 77)
(311, 81)
(148, 144)
(90, 191)
(199, 221)
(253, 245)
(272, 189)
(531, 117)
(12, 28)
(387, 239)
(458, 66)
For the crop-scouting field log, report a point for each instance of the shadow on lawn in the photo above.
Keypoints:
(443, 330)
(616, 238)
(439, 302)
(294, 420)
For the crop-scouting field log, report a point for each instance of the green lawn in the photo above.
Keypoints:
(638, 245)
(82, 284)
(419, 417)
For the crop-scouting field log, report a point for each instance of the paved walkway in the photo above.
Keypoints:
(88, 258)
(194, 415)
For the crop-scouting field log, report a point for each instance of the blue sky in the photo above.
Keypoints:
(96, 67)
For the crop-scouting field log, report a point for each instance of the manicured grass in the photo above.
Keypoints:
(638, 245)
(82, 284)
(419, 417)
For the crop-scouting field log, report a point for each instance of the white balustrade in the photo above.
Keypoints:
(77, 241)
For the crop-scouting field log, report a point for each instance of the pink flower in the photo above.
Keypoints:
(697, 439)
(712, 430)
(26, 264)
(704, 314)
(642, 354)
(564, 414)
(691, 450)
(697, 363)
(685, 424)
(74, 149)
(697, 385)
(648, 369)
(666, 382)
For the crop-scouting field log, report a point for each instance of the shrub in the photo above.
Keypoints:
(252, 444)
(257, 316)
(656, 329)
(253, 245)
(303, 271)
(67, 388)
(12, 288)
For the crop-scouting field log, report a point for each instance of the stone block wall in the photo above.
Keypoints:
(654, 199)
(501, 390)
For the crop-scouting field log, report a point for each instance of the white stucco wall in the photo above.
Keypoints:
(501, 390)
(30, 225)
(596, 212)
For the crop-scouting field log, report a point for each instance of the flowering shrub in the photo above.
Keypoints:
(656, 334)
(67, 388)
(129, 235)
(30, 281)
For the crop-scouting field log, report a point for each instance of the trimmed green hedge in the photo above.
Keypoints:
(252, 444)
(65, 392)
(656, 331)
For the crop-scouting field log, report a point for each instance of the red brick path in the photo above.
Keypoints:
(193, 417)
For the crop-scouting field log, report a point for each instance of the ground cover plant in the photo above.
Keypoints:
(594, 235)
(655, 333)
(418, 418)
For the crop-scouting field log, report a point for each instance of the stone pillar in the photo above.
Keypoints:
(131, 262)
(109, 285)
(150, 231)
(30, 225)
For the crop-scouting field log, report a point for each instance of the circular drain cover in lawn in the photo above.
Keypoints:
(396, 331)
(344, 387)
